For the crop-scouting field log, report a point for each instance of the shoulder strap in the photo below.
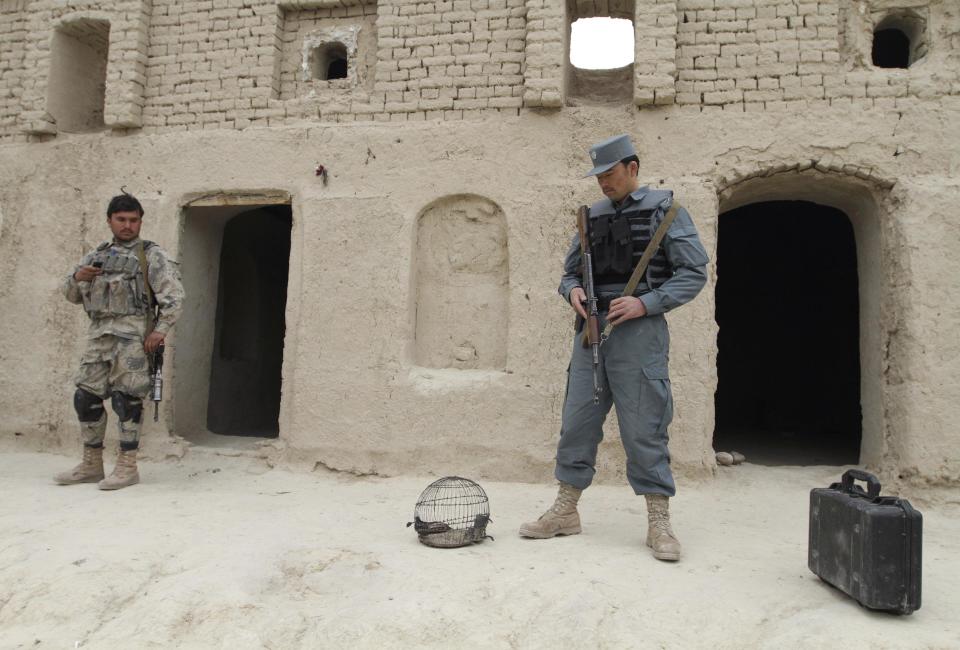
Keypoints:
(641, 268)
(148, 319)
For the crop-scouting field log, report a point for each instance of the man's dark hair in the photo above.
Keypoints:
(629, 159)
(124, 203)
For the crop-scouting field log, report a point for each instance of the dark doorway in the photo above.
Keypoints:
(891, 49)
(245, 369)
(788, 359)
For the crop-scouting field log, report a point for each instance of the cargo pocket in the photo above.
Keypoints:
(130, 373)
(656, 400)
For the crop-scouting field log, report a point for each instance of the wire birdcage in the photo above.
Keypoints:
(451, 512)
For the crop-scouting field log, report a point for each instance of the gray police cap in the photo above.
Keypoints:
(608, 153)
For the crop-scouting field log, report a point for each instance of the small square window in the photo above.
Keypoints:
(328, 61)
(899, 40)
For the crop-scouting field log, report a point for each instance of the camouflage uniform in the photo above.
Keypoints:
(114, 363)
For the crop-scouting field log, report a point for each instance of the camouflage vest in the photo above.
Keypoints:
(618, 239)
(119, 290)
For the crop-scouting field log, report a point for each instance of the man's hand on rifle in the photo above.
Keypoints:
(578, 300)
(86, 273)
(153, 342)
(625, 308)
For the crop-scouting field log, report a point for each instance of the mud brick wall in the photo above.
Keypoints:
(211, 64)
(655, 42)
(26, 29)
(13, 36)
(770, 54)
(450, 59)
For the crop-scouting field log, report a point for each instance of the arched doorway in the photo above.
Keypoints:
(826, 207)
(788, 364)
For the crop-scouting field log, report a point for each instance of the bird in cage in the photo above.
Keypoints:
(451, 512)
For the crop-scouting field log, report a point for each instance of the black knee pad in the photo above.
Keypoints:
(127, 407)
(89, 407)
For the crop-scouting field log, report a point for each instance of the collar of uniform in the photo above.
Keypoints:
(126, 244)
(639, 193)
(636, 195)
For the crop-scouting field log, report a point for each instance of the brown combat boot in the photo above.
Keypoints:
(561, 518)
(124, 474)
(660, 535)
(90, 469)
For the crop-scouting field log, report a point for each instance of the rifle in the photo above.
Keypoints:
(156, 381)
(150, 319)
(591, 328)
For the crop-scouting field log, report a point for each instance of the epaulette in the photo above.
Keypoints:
(656, 198)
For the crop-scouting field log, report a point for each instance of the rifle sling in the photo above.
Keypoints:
(641, 267)
(148, 319)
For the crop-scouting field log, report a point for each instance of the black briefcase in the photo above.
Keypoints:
(866, 545)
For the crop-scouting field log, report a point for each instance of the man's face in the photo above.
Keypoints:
(618, 181)
(125, 226)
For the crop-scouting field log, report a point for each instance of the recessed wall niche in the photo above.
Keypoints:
(461, 285)
(78, 75)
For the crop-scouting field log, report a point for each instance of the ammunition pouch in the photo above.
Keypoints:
(119, 290)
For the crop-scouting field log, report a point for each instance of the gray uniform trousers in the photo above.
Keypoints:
(636, 381)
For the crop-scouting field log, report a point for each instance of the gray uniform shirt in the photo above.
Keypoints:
(688, 259)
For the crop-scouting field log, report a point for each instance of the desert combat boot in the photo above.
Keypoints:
(124, 474)
(560, 519)
(90, 469)
(660, 535)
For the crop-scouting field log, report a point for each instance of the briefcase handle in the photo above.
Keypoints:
(851, 475)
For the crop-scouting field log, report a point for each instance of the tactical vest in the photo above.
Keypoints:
(618, 239)
(119, 290)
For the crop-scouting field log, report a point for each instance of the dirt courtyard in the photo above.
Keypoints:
(224, 552)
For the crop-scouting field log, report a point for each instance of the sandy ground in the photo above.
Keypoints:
(219, 552)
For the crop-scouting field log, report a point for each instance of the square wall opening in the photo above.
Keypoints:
(78, 75)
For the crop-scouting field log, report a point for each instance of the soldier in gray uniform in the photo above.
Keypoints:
(634, 367)
(110, 284)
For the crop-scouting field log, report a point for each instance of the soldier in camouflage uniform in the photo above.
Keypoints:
(110, 285)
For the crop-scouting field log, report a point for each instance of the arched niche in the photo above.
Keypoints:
(461, 284)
